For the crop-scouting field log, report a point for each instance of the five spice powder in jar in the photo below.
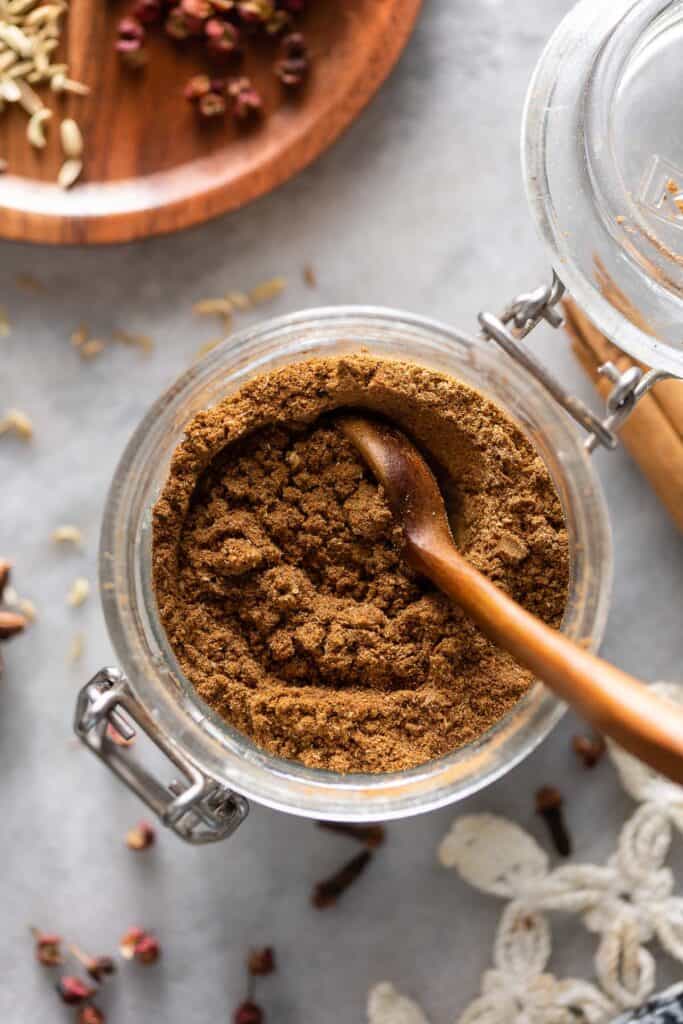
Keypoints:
(279, 574)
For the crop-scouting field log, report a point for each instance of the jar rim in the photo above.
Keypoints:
(589, 213)
(137, 635)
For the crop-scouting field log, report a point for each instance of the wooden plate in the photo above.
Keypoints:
(150, 166)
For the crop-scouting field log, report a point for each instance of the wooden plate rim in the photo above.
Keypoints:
(203, 205)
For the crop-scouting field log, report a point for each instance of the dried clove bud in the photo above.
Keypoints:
(98, 967)
(141, 837)
(74, 991)
(89, 1014)
(327, 892)
(371, 835)
(261, 961)
(48, 948)
(590, 749)
(549, 805)
(137, 944)
(249, 1013)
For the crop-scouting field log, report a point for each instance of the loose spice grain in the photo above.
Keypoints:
(280, 578)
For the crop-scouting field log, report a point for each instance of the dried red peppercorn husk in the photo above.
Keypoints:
(131, 35)
(294, 63)
(141, 837)
(196, 87)
(74, 990)
(246, 100)
(196, 10)
(212, 105)
(147, 12)
(222, 38)
(137, 944)
(261, 961)
(90, 1014)
(48, 948)
(249, 1013)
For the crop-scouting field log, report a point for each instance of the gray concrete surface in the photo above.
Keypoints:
(419, 206)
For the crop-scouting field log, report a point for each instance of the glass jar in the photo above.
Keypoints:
(221, 767)
(602, 151)
(603, 162)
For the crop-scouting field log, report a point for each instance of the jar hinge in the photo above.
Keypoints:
(198, 809)
(526, 312)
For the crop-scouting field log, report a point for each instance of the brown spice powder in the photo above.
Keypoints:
(281, 584)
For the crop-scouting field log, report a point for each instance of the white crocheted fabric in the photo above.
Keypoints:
(628, 903)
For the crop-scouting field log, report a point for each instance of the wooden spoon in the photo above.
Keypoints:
(614, 702)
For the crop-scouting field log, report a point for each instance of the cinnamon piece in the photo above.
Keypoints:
(649, 435)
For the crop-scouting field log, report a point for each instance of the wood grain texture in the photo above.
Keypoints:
(150, 166)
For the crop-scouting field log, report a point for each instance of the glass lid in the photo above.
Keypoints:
(602, 150)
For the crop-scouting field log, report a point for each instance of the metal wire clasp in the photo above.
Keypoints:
(526, 312)
(196, 807)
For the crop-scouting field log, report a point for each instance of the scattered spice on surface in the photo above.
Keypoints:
(138, 944)
(249, 1013)
(328, 892)
(590, 749)
(74, 990)
(18, 423)
(48, 948)
(141, 341)
(261, 961)
(78, 592)
(280, 579)
(549, 803)
(91, 348)
(141, 836)
(267, 290)
(80, 335)
(371, 835)
(310, 277)
(67, 534)
(76, 648)
(5, 325)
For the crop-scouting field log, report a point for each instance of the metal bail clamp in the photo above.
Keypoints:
(524, 314)
(198, 809)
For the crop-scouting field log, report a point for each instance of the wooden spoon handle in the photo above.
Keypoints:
(613, 701)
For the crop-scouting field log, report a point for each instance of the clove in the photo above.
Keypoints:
(326, 893)
(549, 805)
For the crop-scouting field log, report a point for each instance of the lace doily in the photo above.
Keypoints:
(627, 903)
